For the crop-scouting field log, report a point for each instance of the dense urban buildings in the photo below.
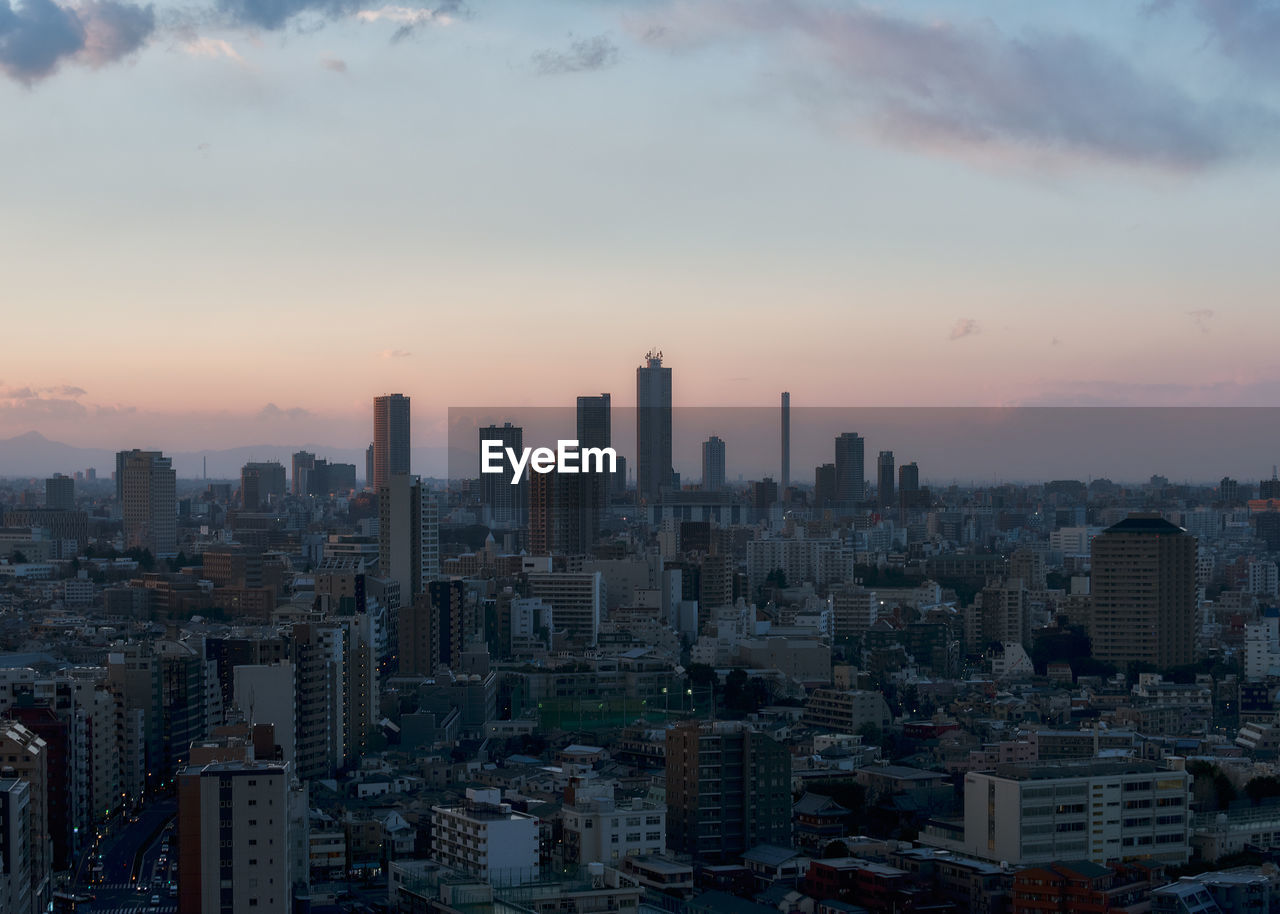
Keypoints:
(468, 695)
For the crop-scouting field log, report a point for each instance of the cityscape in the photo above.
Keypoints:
(639, 457)
(324, 686)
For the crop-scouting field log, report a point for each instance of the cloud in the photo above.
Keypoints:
(964, 326)
(1201, 317)
(271, 411)
(40, 35)
(410, 19)
(211, 49)
(1247, 31)
(957, 90)
(335, 64)
(584, 55)
(394, 354)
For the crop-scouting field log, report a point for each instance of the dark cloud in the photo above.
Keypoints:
(964, 326)
(583, 55)
(1247, 31)
(39, 35)
(271, 411)
(953, 89)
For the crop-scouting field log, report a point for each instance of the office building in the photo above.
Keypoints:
(884, 481)
(408, 534)
(713, 464)
(390, 438)
(303, 461)
(786, 440)
(368, 466)
(60, 492)
(728, 790)
(851, 477)
(148, 502)
(262, 485)
(486, 838)
(15, 846)
(1101, 810)
(1144, 593)
(654, 469)
(506, 504)
(239, 825)
(577, 599)
(595, 429)
(824, 487)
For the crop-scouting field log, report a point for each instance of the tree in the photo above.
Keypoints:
(1262, 788)
(835, 850)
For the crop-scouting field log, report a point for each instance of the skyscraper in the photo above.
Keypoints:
(508, 504)
(594, 421)
(261, 484)
(786, 439)
(884, 479)
(824, 486)
(368, 466)
(713, 464)
(595, 429)
(1144, 593)
(390, 437)
(408, 534)
(303, 463)
(851, 477)
(60, 492)
(653, 428)
(148, 500)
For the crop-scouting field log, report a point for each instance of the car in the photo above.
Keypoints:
(155, 901)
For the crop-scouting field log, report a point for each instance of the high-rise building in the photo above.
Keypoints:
(824, 486)
(60, 492)
(595, 422)
(303, 463)
(713, 464)
(390, 437)
(368, 466)
(565, 512)
(507, 503)
(595, 429)
(148, 501)
(434, 629)
(15, 845)
(26, 756)
(851, 477)
(786, 440)
(728, 790)
(884, 480)
(578, 600)
(408, 534)
(261, 484)
(1144, 593)
(240, 827)
(654, 469)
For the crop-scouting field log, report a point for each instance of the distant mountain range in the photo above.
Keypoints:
(33, 455)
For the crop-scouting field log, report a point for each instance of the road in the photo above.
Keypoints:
(124, 889)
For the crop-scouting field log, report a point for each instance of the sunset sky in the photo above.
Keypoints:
(238, 222)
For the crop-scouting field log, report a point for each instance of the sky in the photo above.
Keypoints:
(237, 221)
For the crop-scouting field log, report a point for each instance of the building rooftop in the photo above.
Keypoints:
(1045, 771)
(1145, 523)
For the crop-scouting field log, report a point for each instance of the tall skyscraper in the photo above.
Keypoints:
(303, 463)
(60, 492)
(908, 478)
(408, 534)
(595, 429)
(851, 477)
(508, 504)
(368, 466)
(1144, 593)
(261, 484)
(148, 502)
(713, 464)
(594, 421)
(884, 480)
(654, 469)
(824, 486)
(748, 773)
(390, 437)
(786, 439)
